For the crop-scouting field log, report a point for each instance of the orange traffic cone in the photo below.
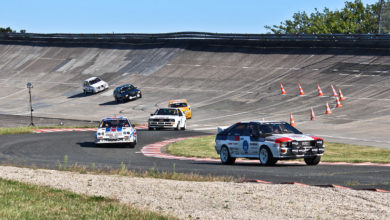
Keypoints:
(334, 91)
(282, 88)
(338, 103)
(312, 116)
(328, 111)
(301, 92)
(319, 90)
(292, 122)
(341, 95)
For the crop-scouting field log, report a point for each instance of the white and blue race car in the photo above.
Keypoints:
(268, 141)
(116, 131)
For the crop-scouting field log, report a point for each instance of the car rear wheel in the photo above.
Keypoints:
(225, 156)
(265, 157)
(311, 161)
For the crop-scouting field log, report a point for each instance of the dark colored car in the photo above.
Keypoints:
(126, 92)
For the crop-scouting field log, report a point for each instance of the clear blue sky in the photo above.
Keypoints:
(153, 16)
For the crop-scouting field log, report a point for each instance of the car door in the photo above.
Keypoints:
(244, 140)
(255, 139)
(182, 118)
(234, 139)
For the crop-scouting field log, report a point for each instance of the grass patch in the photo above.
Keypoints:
(334, 152)
(30, 129)
(26, 201)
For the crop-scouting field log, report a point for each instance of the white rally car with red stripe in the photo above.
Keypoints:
(268, 141)
(116, 131)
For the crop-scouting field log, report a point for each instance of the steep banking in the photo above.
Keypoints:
(223, 83)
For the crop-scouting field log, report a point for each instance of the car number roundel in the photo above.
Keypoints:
(245, 146)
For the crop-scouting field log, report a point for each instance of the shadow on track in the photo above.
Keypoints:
(89, 144)
(80, 95)
(110, 103)
(238, 164)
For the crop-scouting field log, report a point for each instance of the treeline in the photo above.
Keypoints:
(354, 18)
(9, 30)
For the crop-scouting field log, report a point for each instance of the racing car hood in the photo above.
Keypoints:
(163, 117)
(291, 137)
(114, 129)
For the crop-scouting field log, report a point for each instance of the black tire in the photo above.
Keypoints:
(184, 127)
(312, 161)
(132, 145)
(149, 128)
(178, 126)
(266, 158)
(140, 95)
(225, 156)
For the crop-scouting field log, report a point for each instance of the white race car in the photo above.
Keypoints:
(269, 141)
(167, 118)
(94, 85)
(116, 131)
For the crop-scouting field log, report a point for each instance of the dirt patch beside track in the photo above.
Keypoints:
(216, 200)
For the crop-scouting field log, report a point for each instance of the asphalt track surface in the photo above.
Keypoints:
(46, 150)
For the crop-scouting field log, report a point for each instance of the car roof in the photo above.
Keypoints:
(125, 85)
(114, 118)
(91, 78)
(178, 101)
(262, 122)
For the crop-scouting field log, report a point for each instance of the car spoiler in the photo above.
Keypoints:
(221, 128)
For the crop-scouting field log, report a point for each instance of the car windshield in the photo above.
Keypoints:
(278, 128)
(166, 111)
(178, 105)
(126, 88)
(114, 123)
(94, 81)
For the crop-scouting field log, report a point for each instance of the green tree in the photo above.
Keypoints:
(8, 29)
(354, 18)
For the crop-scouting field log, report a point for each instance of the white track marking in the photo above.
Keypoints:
(20, 91)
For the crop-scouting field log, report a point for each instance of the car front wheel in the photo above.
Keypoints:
(225, 156)
(184, 126)
(313, 160)
(265, 157)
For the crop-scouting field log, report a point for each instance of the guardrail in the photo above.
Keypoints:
(365, 40)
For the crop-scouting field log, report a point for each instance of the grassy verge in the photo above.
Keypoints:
(151, 173)
(25, 201)
(26, 130)
(334, 152)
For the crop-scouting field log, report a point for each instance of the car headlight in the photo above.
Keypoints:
(295, 143)
(172, 120)
(283, 144)
(320, 143)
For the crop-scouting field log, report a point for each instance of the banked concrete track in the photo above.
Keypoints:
(224, 84)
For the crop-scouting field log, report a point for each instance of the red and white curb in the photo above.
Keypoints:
(154, 150)
(50, 130)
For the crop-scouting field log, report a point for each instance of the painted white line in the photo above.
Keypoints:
(20, 91)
